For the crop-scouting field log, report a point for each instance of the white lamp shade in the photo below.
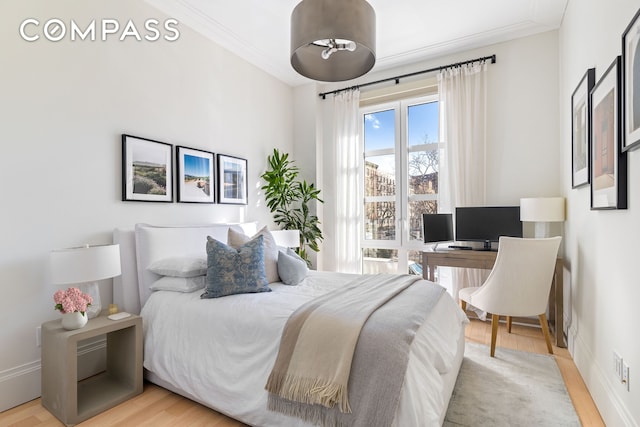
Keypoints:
(287, 238)
(542, 209)
(84, 264)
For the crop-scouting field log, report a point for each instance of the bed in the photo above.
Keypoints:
(220, 352)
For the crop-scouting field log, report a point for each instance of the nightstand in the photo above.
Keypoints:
(73, 401)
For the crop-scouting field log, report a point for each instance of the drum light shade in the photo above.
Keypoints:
(542, 209)
(84, 266)
(333, 40)
(287, 238)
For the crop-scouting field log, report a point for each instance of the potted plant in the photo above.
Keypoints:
(288, 198)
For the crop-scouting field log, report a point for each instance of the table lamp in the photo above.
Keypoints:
(542, 211)
(286, 238)
(84, 266)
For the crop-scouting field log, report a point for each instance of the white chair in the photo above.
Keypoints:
(518, 284)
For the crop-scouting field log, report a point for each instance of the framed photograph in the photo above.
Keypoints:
(608, 162)
(147, 170)
(232, 180)
(631, 84)
(580, 125)
(196, 176)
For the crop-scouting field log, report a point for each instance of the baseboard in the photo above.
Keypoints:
(21, 384)
(603, 390)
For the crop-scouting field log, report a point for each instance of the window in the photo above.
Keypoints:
(400, 181)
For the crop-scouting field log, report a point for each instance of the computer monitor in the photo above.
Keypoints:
(437, 227)
(487, 223)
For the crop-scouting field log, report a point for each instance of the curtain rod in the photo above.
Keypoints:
(397, 78)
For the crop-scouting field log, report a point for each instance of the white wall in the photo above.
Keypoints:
(522, 127)
(63, 107)
(600, 246)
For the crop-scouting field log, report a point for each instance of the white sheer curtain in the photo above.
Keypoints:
(348, 154)
(462, 123)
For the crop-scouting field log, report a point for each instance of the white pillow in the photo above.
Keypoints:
(180, 266)
(178, 284)
(236, 239)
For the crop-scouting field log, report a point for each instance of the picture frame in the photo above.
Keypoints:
(195, 171)
(608, 162)
(232, 180)
(631, 84)
(147, 170)
(580, 130)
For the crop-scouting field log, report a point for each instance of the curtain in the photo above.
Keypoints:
(462, 126)
(346, 134)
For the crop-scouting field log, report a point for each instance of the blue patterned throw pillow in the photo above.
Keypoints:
(231, 271)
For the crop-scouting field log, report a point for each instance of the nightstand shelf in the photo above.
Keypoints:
(73, 401)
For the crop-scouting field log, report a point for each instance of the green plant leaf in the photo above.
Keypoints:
(289, 201)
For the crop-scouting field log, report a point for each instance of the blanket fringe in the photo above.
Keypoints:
(312, 391)
(313, 414)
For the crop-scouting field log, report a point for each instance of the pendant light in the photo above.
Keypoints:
(333, 40)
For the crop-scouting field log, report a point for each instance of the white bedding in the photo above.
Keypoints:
(220, 351)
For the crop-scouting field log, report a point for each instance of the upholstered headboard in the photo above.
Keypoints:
(146, 244)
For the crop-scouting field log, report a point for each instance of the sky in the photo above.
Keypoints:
(196, 166)
(379, 127)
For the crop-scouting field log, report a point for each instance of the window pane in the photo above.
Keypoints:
(379, 175)
(423, 123)
(379, 130)
(379, 261)
(380, 221)
(416, 209)
(423, 172)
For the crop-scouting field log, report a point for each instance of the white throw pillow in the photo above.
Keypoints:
(236, 239)
(180, 266)
(178, 284)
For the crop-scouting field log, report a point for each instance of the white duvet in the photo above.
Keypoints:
(221, 351)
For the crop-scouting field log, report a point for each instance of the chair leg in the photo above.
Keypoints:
(495, 319)
(545, 331)
(509, 324)
(463, 304)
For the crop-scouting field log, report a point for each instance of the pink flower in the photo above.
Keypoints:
(72, 300)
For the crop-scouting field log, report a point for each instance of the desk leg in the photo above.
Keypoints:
(556, 305)
(559, 304)
(428, 271)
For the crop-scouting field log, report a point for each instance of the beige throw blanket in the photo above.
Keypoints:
(318, 341)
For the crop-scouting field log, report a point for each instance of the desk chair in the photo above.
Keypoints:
(518, 284)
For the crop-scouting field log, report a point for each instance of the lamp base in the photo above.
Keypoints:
(96, 306)
(541, 230)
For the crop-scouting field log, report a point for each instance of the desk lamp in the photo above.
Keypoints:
(542, 211)
(84, 266)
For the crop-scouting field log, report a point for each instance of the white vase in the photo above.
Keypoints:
(75, 320)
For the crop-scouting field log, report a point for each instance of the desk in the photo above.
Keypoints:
(485, 260)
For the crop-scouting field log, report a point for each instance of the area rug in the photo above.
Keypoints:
(513, 389)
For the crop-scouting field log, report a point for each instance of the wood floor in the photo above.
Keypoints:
(158, 407)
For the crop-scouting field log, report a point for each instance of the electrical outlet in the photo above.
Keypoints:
(625, 375)
(617, 365)
(38, 336)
